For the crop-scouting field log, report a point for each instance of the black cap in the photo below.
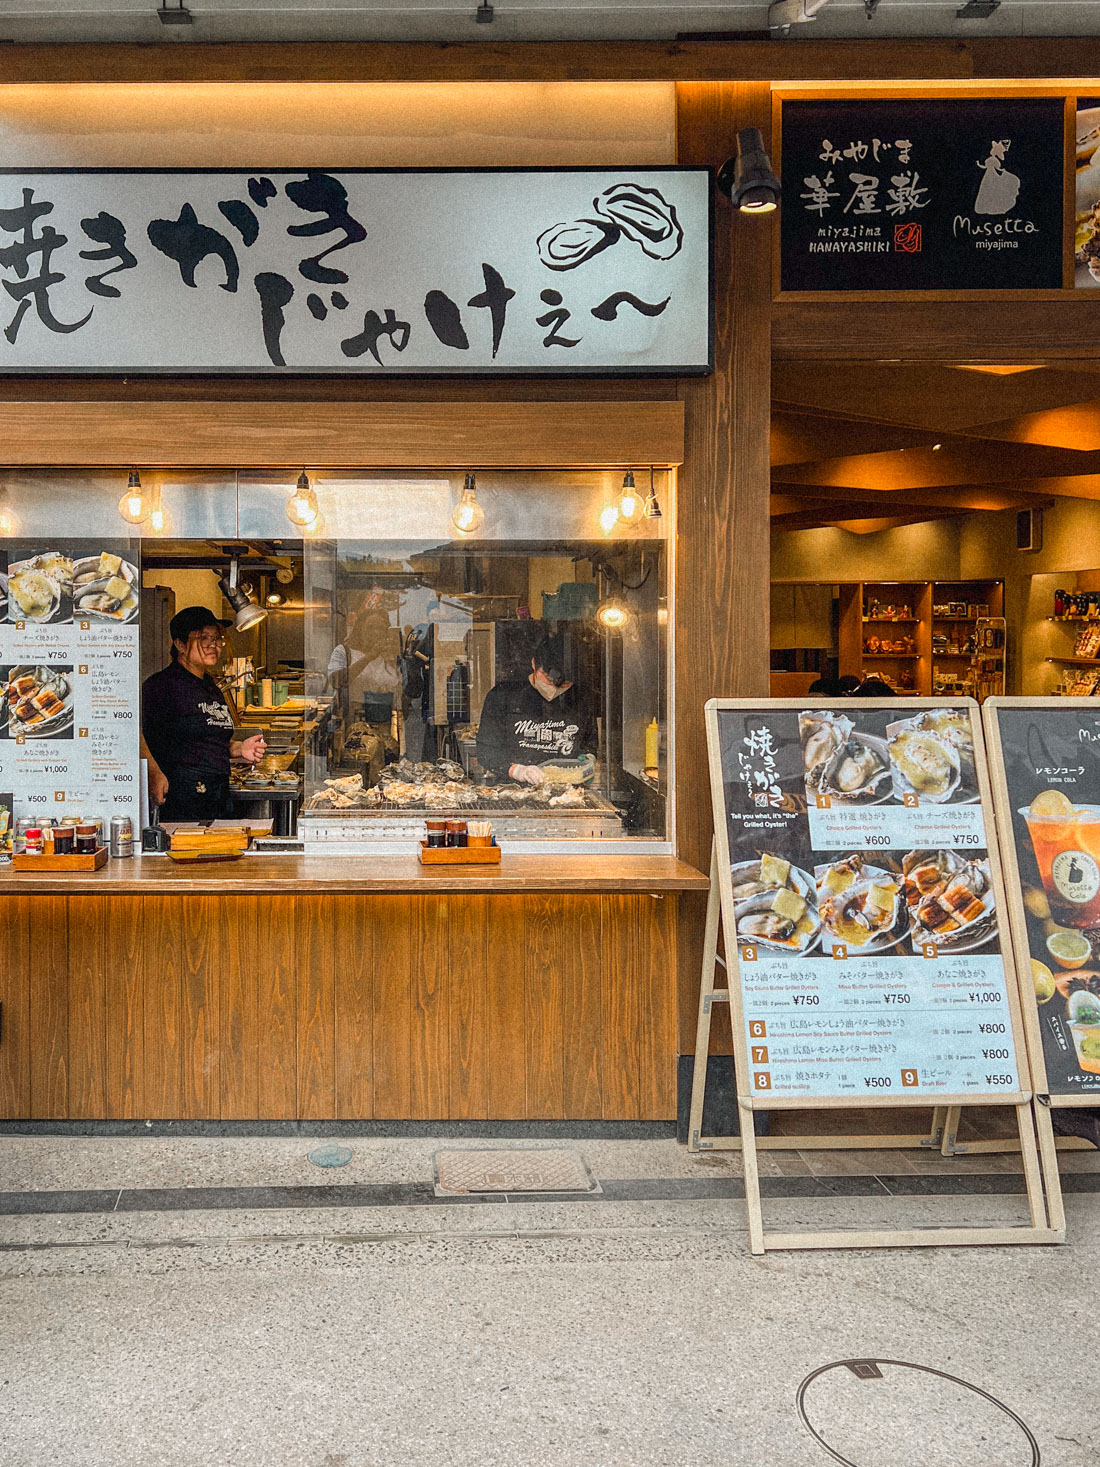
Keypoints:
(193, 619)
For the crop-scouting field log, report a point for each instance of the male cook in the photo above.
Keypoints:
(542, 716)
(187, 728)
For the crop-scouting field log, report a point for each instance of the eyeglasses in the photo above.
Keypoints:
(210, 643)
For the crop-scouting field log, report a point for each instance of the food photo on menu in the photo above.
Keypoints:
(872, 758)
(7, 823)
(37, 702)
(106, 585)
(40, 586)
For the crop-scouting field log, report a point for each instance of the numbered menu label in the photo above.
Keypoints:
(862, 897)
(69, 674)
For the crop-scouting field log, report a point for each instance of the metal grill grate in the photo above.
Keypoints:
(463, 1173)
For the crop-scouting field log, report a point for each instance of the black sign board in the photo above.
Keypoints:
(923, 195)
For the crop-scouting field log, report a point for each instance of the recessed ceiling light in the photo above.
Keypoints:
(936, 447)
(997, 371)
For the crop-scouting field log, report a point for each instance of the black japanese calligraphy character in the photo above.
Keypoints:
(608, 310)
(260, 190)
(18, 256)
(317, 308)
(104, 229)
(374, 328)
(554, 319)
(339, 302)
(242, 218)
(275, 292)
(320, 193)
(188, 242)
(494, 299)
(445, 319)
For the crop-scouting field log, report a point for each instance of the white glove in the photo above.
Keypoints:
(525, 773)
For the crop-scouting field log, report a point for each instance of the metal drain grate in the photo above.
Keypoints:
(462, 1173)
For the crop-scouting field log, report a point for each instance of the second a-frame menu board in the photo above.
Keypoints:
(863, 912)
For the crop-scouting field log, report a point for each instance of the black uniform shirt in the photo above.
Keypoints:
(519, 726)
(188, 728)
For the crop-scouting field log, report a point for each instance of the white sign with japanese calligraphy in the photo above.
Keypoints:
(387, 272)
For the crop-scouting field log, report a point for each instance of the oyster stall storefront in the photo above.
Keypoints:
(328, 974)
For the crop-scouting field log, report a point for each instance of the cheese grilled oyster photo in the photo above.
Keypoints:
(106, 587)
(40, 589)
(932, 757)
(775, 905)
(861, 906)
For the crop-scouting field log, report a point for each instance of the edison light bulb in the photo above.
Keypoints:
(630, 503)
(609, 518)
(302, 508)
(132, 506)
(7, 520)
(468, 515)
(156, 519)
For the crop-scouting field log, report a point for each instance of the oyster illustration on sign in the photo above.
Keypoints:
(565, 246)
(949, 899)
(932, 755)
(860, 906)
(841, 761)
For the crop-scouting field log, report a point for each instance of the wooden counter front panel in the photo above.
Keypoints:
(543, 1005)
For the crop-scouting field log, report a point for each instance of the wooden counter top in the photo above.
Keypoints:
(259, 874)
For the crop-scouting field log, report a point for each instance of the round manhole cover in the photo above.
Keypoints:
(890, 1413)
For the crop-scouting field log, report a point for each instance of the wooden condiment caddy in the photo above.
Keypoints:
(459, 855)
(49, 861)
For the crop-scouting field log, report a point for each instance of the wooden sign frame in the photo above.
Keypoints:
(1018, 926)
(721, 915)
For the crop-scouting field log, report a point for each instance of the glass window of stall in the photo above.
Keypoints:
(491, 646)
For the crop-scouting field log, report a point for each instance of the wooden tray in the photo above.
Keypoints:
(459, 855)
(44, 862)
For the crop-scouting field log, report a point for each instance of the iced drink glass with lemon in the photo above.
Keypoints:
(1066, 841)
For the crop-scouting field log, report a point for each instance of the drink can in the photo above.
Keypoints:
(122, 837)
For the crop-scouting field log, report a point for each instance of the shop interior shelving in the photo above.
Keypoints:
(928, 650)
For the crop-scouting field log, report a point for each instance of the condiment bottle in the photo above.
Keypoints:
(33, 843)
(87, 839)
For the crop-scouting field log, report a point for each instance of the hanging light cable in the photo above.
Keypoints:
(133, 506)
(302, 508)
(468, 515)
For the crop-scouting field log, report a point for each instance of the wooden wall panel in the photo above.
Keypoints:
(315, 990)
(543, 981)
(48, 977)
(471, 927)
(17, 1039)
(396, 953)
(506, 1008)
(582, 1008)
(723, 530)
(354, 966)
(243, 961)
(420, 435)
(90, 958)
(125, 1005)
(639, 1006)
(429, 982)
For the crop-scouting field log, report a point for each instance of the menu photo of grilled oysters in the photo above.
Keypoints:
(845, 763)
(38, 702)
(932, 757)
(1086, 241)
(861, 906)
(105, 588)
(775, 905)
(950, 900)
(40, 588)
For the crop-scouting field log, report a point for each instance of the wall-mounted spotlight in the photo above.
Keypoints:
(468, 516)
(245, 611)
(302, 508)
(748, 178)
(133, 506)
(612, 614)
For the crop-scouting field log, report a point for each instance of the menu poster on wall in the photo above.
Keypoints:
(1049, 757)
(864, 902)
(69, 674)
(958, 194)
(1086, 209)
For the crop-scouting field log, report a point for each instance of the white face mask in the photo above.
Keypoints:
(546, 688)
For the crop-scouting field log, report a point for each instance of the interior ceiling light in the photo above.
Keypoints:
(468, 516)
(997, 371)
(245, 611)
(133, 506)
(612, 615)
(936, 447)
(748, 178)
(630, 501)
(302, 508)
(177, 14)
(977, 9)
(275, 598)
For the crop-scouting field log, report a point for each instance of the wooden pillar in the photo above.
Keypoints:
(723, 537)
